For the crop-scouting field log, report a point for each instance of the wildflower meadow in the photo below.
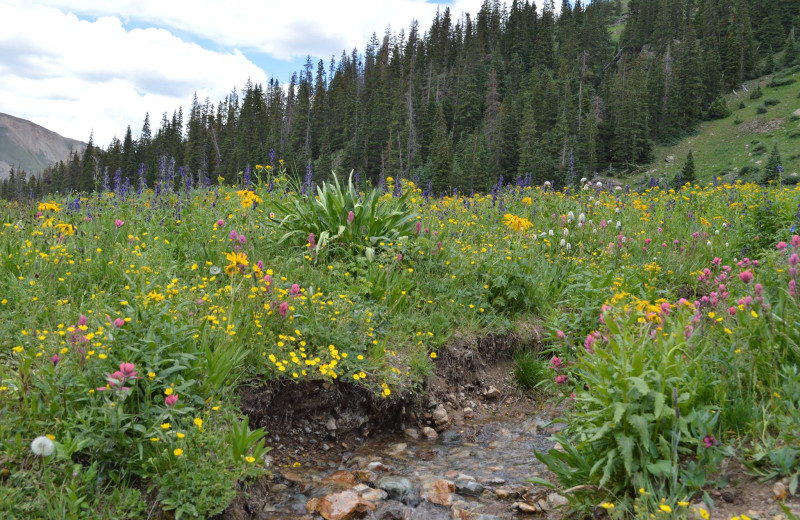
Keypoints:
(131, 316)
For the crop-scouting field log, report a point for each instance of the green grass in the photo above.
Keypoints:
(722, 148)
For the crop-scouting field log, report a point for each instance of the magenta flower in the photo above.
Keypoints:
(119, 223)
(562, 379)
(283, 308)
(171, 399)
(119, 322)
(268, 281)
(555, 362)
(295, 290)
(794, 260)
(560, 334)
(234, 235)
(781, 246)
(793, 288)
(796, 241)
(709, 440)
(128, 370)
(55, 359)
(589, 342)
(242, 240)
(220, 223)
(417, 227)
(312, 244)
(350, 217)
(82, 320)
(746, 276)
(732, 311)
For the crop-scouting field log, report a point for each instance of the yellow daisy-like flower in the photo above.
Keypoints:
(179, 435)
(178, 452)
(665, 508)
(607, 505)
(237, 263)
(198, 422)
(516, 223)
(250, 459)
(168, 391)
(166, 426)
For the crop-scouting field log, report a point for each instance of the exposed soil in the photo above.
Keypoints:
(761, 126)
(320, 430)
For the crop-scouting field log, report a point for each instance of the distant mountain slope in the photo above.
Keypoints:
(738, 146)
(31, 147)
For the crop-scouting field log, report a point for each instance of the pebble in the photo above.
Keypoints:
(429, 433)
(469, 487)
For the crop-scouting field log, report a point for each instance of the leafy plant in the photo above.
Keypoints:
(341, 220)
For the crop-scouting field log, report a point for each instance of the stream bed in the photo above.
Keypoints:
(471, 469)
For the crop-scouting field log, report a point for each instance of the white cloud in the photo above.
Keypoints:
(280, 28)
(73, 76)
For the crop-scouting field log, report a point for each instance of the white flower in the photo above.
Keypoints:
(594, 230)
(42, 446)
(569, 246)
(616, 210)
(599, 184)
(550, 233)
(582, 217)
(586, 188)
(583, 179)
(543, 234)
(571, 215)
(597, 203)
(215, 270)
(716, 231)
(618, 188)
(566, 232)
(546, 184)
(708, 243)
(726, 244)
(563, 242)
(619, 224)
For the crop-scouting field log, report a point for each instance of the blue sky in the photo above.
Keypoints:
(83, 66)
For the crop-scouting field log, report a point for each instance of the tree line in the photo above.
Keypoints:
(515, 90)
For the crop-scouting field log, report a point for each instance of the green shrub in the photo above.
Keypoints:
(718, 109)
(342, 222)
(741, 104)
(761, 109)
(648, 402)
(757, 93)
(781, 82)
(771, 102)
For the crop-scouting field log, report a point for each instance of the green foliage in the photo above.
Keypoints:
(647, 403)
(343, 222)
(771, 102)
(530, 371)
(757, 93)
(773, 165)
(200, 489)
(761, 109)
(718, 109)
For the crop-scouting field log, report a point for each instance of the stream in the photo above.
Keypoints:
(474, 469)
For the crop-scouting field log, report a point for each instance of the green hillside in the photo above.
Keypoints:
(738, 146)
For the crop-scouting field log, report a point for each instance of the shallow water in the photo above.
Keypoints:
(495, 450)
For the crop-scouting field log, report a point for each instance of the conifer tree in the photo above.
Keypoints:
(772, 166)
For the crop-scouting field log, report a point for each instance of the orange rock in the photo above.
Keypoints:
(440, 492)
(343, 506)
(341, 478)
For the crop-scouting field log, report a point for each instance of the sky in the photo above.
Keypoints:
(81, 67)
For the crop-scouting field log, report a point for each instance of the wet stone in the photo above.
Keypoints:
(398, 488)
(469, 487)
(411, 434)
(429, 433)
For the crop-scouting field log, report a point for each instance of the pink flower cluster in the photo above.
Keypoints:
(126, 372)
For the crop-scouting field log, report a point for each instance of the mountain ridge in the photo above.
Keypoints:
(31, 147)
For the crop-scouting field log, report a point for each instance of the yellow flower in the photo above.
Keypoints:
(51, 437)
(683, 503)
(178, 452)
(198, 422)
(433, 355)
(179, 435)
(665, 508)
(166, 426)
(154, 439)
(168, 391)
(237, 262)
(250, 459)
(607, 505)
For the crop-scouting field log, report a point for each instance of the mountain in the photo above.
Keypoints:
(30, 147)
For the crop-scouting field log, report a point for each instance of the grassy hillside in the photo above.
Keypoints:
(737, 146)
